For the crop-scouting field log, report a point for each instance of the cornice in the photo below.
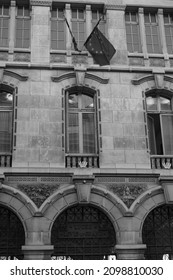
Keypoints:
(115, 7)
(46, 3)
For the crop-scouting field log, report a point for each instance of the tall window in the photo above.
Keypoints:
(78, 26)
(23, 28)
(152, 33)
(4, 26)
(58, 40)
(6, 107)
(160, 124)
(96, 15)
(132, 32)
(81, 123)
(168, 23)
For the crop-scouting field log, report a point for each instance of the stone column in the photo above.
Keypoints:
(130, 251)
(163, 37)
(117, 33)
(40, 31)
(12, 29)
(37, 252)
(68, 35)
(88, 20)
(142, 34)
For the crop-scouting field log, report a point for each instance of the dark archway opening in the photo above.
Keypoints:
(157, 233)
(12, 235)
(83, 233)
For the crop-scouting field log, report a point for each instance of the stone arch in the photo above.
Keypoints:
(146, 203)
(19, 203)
(107, 202)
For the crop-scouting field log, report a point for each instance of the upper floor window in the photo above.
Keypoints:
(79, 26)
(81, 123)
(6, 109)
(152, 33)
(4, 26)
(168, 23)
(132, 32)
(96, 15)
(23, 27)
(58, 39)
(160, 124)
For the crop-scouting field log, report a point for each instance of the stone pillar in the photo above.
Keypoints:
(68, 35)
(130, 251)
(117, 33)
(142, 34)
(37, 252)
(88, 20)
(40, 36)
(162, 36)
(12, 29)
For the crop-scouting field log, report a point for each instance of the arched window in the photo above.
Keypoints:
(81, 125)
(6, 111)
(160, 123)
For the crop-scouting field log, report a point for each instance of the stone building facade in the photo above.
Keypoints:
(86, 154)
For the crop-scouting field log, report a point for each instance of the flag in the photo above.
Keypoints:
(99, 47)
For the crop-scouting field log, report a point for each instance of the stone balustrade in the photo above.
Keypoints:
(5, 160)
(82, 161)
(162, 162)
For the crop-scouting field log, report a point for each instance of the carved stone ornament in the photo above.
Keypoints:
(128, 192)
(41, 3)
(38, 193)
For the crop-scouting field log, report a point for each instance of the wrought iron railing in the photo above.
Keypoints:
(5, 160)
(82, 161)
(162, 162)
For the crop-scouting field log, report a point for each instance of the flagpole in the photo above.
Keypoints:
(73, 38)
(94, 29)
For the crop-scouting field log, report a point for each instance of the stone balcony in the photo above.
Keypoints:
(82, 161)
(161, 161)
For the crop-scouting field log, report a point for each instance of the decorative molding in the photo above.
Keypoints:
(22, 57)
(96, 78)
(128, 193)
(63, 77)
(47, 3)
(115, 7)
(80, 76)
(143, 80)
(83, 192)
(38, 193)
(4, 56)
(168, 78)
(15, 75)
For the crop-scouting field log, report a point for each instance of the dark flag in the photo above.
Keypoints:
(99, 47)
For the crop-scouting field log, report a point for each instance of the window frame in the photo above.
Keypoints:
(2, 18)
(78, 21)
(80, 113)
(151, 26)
(58, 20)
(131, 24)
(10, 110)
(160, 113)
(24, 18)
(169, 25)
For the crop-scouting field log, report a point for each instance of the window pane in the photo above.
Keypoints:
(87, 102)
(6, 99)
(151, 103)
(146, 18)
(73, 101)
(73, 132)
(165, 104)
(5, 131)
(81, 14)
(74, 14)
(151, 135)
(88, 133)
(167, 133)
(166, 19)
